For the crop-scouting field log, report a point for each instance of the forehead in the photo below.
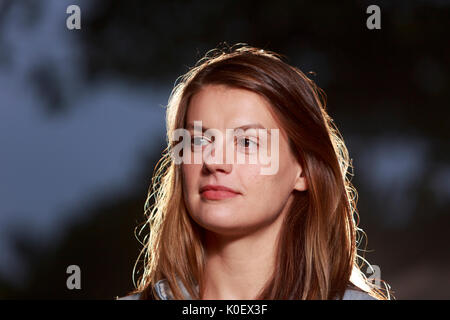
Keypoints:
(219, 106)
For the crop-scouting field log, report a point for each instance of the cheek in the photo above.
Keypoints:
(262, 186)
(269, 191)
(258, 186)
(191, 175)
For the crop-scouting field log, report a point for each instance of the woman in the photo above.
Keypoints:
(282, 228)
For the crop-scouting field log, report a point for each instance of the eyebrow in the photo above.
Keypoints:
(244, 127)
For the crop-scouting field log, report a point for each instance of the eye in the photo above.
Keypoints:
(247, 143)
(199, 141)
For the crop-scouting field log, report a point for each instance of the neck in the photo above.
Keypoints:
(237, 268)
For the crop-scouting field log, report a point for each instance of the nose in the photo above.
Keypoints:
(215, 158)
(218, 167)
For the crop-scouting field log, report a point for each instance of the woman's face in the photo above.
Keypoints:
(259, 199)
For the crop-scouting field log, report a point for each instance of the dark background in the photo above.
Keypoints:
(82, 126)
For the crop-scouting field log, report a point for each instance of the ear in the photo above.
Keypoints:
(300, 181)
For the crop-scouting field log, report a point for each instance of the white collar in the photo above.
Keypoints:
(163, 290)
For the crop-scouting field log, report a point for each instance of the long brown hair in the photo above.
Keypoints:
(318, 255)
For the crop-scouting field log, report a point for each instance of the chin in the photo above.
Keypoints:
(225, 225)
(217, 216)
(217, 220)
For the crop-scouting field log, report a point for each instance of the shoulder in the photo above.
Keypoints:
(135, 296)
(353, 294)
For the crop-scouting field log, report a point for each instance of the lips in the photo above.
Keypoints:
(217, 192)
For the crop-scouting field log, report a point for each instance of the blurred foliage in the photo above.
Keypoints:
(406, 63)
(103, 245)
